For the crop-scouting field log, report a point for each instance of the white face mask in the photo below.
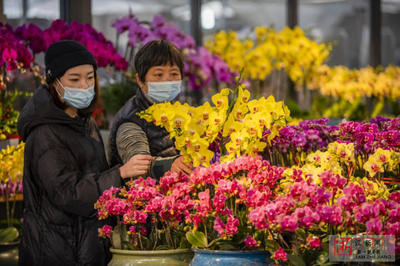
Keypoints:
(163, 91)
(76, 97)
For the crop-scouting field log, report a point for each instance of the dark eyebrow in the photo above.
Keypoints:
(76, 74)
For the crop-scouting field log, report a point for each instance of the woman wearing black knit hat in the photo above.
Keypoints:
(65, 168)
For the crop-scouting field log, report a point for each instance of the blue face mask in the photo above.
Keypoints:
(78, 98)
(163, 91)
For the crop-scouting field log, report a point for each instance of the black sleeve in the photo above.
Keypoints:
(68, 188)
(159, 167)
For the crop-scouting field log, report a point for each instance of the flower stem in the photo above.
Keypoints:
(205, 230)
(13, 206)
(140, 240)
(7, 206)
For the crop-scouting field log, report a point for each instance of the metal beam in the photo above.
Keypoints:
(65, 10)
(292, 13)
(76, 10)
(24, 10)
(2, 16)
(375, 33)
(195, 21)
(292, 21)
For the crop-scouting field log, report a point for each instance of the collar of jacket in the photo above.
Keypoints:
(141, 101)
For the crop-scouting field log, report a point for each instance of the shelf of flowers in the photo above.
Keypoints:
(259, 183)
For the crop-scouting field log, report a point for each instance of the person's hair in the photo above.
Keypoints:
(157, 53)
(53, 92)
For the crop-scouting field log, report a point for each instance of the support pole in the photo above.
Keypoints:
(76, 10)
(24, 10)
(375, 33)
(2, 16)
(292, 13)
(195, 21)
(196, 31)
(292, 21)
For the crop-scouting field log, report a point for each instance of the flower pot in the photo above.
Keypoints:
(9, 253)
(179, 257)
(230, 258)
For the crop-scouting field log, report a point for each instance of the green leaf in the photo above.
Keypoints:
(296, 260)
(9, 234)
(197, 239)
(271, 244)
(116, 237)
(378, 108)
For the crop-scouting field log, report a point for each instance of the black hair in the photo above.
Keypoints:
(157, 53)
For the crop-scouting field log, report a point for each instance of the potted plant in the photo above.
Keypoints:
(220, 226)
(11, 168)
(247, 204)
(214, 139)
(243, 204)
(145, 221)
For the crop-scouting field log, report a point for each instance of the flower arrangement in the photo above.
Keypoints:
(295, 142)
(201, 67)
(247, 204)
(8, 115)
(353, 84)
(14, 53)
(308, 208)
(271, 55)
(11, 168)
(149, 216)
(102, 49)
(224, 195)
(288, 49)
(233, 127)
(328, 182)
(349, 92)
(18, 48)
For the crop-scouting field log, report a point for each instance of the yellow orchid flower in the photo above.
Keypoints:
(163, 116)
(231, 126)
(244, 95)
(239, 111)
(220, 100)
(256, 147)
(203, 157)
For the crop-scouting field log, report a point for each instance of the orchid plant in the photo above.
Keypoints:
(201, 67)
(236, 200)
(18, 48)
(234, 126)
(144, 215)
(363, 149)
(224, 195)
(11, 168)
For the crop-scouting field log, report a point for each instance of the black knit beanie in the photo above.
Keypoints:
(62, 55)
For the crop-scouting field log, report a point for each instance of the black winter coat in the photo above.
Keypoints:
(158, 137)
(65, 172)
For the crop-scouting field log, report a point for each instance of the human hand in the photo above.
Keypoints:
(179, 166)
(136, 166)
